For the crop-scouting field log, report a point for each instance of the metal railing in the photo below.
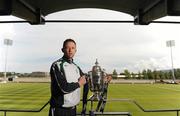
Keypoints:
(78, 114)
(100, 113)
(107, 114)
(157, 110)
(145, 110)
(15, 110)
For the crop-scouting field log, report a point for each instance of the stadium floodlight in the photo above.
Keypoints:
(171, 43)
(7, 42)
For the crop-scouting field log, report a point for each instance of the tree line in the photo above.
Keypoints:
(147, 74)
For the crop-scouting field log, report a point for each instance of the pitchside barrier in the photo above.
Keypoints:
(10, 110)
(108, 114)
(100, 113)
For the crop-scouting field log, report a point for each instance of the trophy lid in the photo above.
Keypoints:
(96, 63)
(96, 67)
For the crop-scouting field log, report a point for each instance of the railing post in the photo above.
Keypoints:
(177, 113)
(4, 113)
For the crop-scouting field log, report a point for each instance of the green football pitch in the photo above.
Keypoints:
(32, 96)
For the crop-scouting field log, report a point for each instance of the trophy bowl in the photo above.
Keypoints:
(96, 81)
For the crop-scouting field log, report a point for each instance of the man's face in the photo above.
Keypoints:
(69, 50)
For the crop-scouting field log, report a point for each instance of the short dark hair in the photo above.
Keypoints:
(68, 40)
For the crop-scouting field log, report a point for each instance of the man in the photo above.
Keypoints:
(66, 80)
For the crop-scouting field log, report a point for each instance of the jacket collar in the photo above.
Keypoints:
(67, 59)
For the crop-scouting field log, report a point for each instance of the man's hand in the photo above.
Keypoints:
(108, 79)
(82, 81)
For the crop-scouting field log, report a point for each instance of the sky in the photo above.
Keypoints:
(117, 46)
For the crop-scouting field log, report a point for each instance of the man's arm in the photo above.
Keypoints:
(59, 78)
(82, 80)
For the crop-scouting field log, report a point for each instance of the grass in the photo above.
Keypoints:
(26, 96)
(149, 96)
(32, 96)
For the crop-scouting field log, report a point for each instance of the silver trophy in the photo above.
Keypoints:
(96, 81)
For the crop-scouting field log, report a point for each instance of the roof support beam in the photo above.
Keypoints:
(20, 8)
(155, 10)
(5, 7)
(174, 7)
